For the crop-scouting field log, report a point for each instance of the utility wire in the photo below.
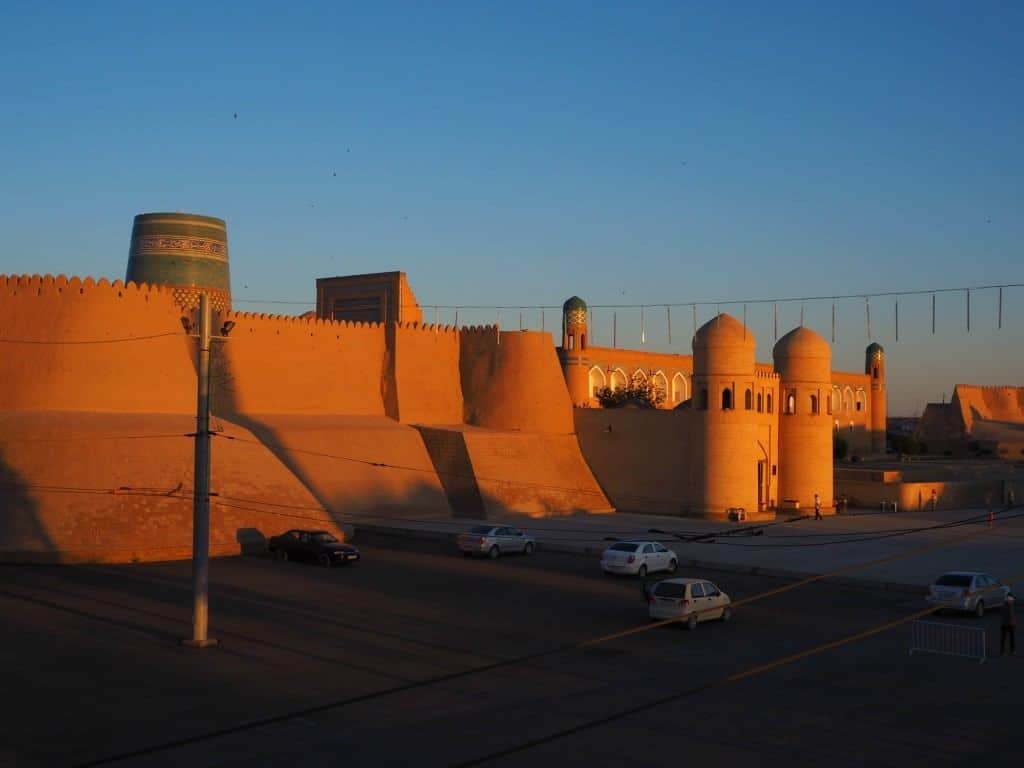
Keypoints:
(92, 341)
(690, 303)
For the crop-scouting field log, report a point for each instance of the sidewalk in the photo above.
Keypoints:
(796, 547)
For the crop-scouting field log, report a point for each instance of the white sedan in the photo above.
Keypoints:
(494, 540)
(968, 591)
(638, 558)
(693, 599)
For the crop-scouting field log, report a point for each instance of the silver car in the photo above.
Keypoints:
(494, 540)
(970, 591)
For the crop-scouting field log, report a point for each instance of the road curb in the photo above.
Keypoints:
(589, 550)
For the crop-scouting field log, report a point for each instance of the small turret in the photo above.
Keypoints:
(572, 353)
(874, 366)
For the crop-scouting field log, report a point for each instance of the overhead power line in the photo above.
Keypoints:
(683, 303)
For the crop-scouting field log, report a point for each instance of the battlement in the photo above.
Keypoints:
(766, 374)
(296, 320)
(477, 330)
(426, 327)
(13, 285)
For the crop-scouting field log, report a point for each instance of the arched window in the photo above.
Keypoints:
(660, 385)
(837, 399)
(760, 402)
(618, 379)
(847, 399)
(572, 341)
(791, 401)
(727, 399)
(597, 381)
(814, 403)
(828, 404)
(748, 400)
(768, 402)
(860, 400)
(639, 377)
(583, 341)
(704, 399)
(678, 388)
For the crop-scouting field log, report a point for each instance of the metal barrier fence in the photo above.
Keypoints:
(948, 639)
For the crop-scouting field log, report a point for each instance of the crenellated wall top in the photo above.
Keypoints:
(44, 283)
(296, 320)
(427, 327)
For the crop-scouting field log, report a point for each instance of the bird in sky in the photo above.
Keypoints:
(236, 115)
(334, 174)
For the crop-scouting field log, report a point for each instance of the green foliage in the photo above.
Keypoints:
(839, 447)
(639, 394)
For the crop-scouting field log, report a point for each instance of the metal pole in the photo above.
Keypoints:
(201, 492)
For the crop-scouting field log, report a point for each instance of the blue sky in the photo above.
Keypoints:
(519, 153)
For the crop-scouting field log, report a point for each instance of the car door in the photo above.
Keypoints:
(697, 599)
(516, 539)
(649, 558)
(505, 540)
(713, 596)
(663, 556)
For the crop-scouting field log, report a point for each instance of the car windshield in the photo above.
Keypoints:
(481, 529)
(624, 547)
(670, 589)
(954, 580)
(323, 538)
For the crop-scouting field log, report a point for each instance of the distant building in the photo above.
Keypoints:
(976, 419)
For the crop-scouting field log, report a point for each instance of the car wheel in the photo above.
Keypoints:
(979, 609)
(691, 623)
(642, 573)
(528, 549)
(325, 560)
(493, 552)
(672, 565)
(726, 613)
(281, 555)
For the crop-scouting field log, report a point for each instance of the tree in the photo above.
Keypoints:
(638, 394)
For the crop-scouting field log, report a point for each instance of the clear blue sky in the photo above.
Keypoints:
(515, 153)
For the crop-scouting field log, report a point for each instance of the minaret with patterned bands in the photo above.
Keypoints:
(184, 250)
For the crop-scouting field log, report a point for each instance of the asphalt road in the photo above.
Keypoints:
(334, 663)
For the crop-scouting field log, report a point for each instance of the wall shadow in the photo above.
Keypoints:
(23, 534)
(450, 457)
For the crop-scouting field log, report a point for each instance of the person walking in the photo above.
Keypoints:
(817, 507)
(1009, 627)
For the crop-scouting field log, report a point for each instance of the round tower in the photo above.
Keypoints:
(874, 366)
(723, 375)
(573, 354)
(183, 250)
(803, 360)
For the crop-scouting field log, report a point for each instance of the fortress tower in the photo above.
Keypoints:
(573, 352)
(723, 385)
(874, 366)
(184, 250)
(803, 361)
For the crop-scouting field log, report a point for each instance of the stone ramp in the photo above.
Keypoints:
(358, 467)
(513, 472)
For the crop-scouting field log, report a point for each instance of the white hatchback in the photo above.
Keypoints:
(693, 599)
(638, 558)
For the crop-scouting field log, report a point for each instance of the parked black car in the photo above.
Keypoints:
(315, 546)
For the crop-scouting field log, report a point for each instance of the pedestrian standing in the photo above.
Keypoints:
(817, 507)
(1009, 627)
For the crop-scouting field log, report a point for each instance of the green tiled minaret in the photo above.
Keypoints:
(184, 250)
